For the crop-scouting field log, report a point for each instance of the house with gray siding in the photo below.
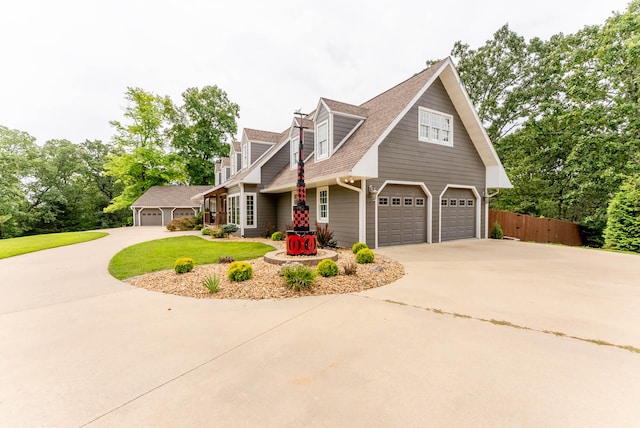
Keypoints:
(412, 164)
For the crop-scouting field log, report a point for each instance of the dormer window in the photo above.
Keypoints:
(322, 140)
(295, 151)
(435, 127)
(245, 155)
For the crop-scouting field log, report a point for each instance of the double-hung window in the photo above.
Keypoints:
(245, 155)
(435, 127)
(323, 205)
(322, 140)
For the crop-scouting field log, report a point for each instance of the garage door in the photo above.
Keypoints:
(402, 215)
(150, 217)
(458, 214)
(183, 212)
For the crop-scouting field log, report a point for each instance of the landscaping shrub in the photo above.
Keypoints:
(183, 223)
(212, 283)
(216, 232)
(183, 265)
(623, 218)
(268, 230)
(299, 277)
(358, 246)
(277, 236)
(496, 231)
(325, 237)
(206, 231)
(226, 259)
(239, 271)
(350, 268)
(229, 228)
(327, 268)
(365, 255)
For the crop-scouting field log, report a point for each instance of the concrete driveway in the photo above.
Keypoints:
(79, 348)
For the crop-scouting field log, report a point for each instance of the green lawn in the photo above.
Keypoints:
(28, 244)
(160, 254)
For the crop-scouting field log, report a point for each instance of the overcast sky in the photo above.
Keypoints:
(65, 65)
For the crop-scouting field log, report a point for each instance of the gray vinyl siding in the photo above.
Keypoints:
(274, 165)
(285, 210)
(265, 205)
(403, 157)
(343, 215)
(341, 127)
(308, 142)
(238, 161)
(257, 150)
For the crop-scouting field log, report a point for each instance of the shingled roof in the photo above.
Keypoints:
(169, 196)
(262, 136)
(340, 107)
(381, 111)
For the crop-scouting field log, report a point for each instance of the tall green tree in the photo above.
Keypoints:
(623, 223)
(203, 125)
(17, 152)
(142, 157)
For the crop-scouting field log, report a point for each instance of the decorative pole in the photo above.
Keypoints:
(301, 241)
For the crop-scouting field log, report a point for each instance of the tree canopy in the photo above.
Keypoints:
(563, 115)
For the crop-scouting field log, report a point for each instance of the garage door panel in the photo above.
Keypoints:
(150, 217)
(400, 219)
(458, 217)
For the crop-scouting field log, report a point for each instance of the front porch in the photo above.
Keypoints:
(215, 207)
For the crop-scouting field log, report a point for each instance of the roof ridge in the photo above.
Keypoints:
(437, 64)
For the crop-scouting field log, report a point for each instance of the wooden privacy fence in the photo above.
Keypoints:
(528, 228)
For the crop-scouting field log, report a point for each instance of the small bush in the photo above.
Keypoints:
(182, 223)
(229, 228)
(365, 255)
(212, 283)
(496, 231)
(239, 271)
(327, 268)
(206, 231)
(299, 277)
(350, 268)
(198, 227)
(216, 232)
(268, 230)
(277, 236)
(358, 246)
(183, 265)
(325, 237)
(226, 259)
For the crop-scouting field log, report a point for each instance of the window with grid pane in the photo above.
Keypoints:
(435, 127)
(323, 205)
(251, 210)
(295, 150)
(322, 140)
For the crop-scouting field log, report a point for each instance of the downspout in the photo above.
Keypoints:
(486, 213)
(362, 205)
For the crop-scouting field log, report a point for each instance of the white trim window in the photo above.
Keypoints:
(250, 210)
(233, 209)
(295, 150)
(435, 127)
(246, 153)
(234, 166)
(322, 140)
(323, 204)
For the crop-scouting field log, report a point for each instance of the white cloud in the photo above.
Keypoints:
(66, 64)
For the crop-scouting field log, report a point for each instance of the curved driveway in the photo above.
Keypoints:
(79, 348)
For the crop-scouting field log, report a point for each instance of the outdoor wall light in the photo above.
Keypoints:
(373, 192)
(349, 180)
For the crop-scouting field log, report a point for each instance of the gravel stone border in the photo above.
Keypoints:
(266, 282)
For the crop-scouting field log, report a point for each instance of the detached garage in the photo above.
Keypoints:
(161, 204)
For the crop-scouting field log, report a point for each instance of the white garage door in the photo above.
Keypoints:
(458, 214)
(402, 215)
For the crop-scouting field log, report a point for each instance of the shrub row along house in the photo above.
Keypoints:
(413, 164)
